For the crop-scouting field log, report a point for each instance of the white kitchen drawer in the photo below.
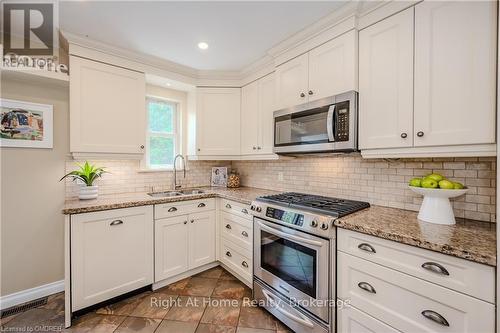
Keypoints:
(236, 258)
(111, 254)
(401, 300)
(351, 320)
(237, 230)
(464, 276)
(237, 208)
(183, 207)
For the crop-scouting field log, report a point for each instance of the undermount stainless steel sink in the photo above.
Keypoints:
(168, 194)
(164, 194)
(192, 191)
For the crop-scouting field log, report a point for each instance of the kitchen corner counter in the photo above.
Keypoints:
(468, 239)
(124, 200)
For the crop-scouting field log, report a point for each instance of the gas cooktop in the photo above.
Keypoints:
(315, 203)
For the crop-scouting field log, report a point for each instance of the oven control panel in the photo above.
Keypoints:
(285, 216)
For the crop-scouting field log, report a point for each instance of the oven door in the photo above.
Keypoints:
(295, 264)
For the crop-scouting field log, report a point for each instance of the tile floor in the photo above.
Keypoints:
(210, 302)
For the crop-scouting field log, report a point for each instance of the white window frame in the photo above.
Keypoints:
(175, 135)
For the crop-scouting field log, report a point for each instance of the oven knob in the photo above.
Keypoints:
(258, 209)
(324, 226)
(314, 223)
(252, 207)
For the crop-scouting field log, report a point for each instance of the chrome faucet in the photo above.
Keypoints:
(176, 187)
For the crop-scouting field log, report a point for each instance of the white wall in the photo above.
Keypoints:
(32, 198)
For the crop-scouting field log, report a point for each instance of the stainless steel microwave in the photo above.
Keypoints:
(328, 125)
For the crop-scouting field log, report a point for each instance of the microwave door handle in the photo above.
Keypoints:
(290, 237)
(330, 123)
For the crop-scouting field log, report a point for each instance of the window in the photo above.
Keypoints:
(162, 134)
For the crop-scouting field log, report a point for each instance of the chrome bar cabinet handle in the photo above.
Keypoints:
(116, 222)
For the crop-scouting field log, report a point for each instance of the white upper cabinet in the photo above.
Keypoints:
(267, 105)
(292, 82)
(333, 67)
(326, 70)
(455, 72)
(427, 81)
(218, 121)
(257, 106)
(250, 118)
(107, 108)
(386, 83)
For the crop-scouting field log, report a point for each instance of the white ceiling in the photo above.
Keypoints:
(238, 33)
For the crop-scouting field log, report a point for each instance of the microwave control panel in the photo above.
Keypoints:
(342, 122)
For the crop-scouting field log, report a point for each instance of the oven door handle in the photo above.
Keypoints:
(290, 237)
(330, 124)
(304, 321)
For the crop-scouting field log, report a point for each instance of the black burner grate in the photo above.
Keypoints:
(316, 203)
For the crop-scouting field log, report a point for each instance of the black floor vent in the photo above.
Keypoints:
(23, 307)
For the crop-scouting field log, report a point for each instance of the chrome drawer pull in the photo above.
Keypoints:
(172, 209)
(116, 222)
(201, 205)
(192, 221)
(435, 317)
(244, 264)
(435, 267)
(229, 254)
(228, 226)
(244, 233)
(368, 287)
(185, 222)
(244, 211)
(228, 206)
(366, 247)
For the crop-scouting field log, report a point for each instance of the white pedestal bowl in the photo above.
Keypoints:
(436, 207)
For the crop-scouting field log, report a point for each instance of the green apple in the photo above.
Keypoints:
(429, 183)
(436, 176)
(416, 182)
(446, 185)
(458, 186)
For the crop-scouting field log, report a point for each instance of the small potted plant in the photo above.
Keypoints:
(87, 174)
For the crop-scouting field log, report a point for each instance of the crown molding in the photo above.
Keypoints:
(337, 22)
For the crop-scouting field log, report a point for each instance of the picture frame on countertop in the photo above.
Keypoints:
(25, 124)
(219, 176)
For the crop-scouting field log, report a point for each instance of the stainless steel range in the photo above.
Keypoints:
(294, 257)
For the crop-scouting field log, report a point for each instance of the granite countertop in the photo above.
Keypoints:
(471, 240)
(104, 202)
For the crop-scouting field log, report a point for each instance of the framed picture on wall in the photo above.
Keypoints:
(25, 124)
(219, 176)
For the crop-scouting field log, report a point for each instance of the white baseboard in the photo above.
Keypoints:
(27, 295)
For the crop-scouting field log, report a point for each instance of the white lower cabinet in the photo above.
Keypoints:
(378, 278)
(201, 249)
(111, 254)
(171, 246)
(351, 320)
(184, 242)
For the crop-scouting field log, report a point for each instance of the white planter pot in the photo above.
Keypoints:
(88, 192)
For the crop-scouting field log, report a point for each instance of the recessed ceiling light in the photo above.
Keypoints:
(168, 84)
(202, 45)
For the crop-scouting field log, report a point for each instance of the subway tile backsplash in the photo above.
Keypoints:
(126, 176)
(378, 181)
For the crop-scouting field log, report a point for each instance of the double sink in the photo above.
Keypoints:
(167, 194)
